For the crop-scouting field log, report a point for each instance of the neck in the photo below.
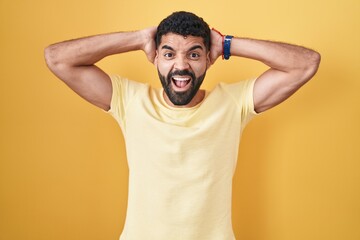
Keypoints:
(199, 96)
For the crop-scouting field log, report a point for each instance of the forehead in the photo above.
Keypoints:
(179, 42)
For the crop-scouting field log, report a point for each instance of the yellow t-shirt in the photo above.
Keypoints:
(181, 160)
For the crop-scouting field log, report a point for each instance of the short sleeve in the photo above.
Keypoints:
(117, 105)
(123, 92)
(243, 94)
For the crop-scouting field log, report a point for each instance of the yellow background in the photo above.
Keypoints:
(63, 172)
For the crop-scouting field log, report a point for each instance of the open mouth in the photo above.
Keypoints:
(181, 82)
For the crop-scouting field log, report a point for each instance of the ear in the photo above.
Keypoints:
(156, 58)
(208, 60)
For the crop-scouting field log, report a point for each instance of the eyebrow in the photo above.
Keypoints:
(196, 47)
(191, 49)
(167, 47)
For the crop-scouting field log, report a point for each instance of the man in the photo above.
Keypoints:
(181, 141)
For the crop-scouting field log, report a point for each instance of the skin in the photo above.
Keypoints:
(178, 53)
(290, 66)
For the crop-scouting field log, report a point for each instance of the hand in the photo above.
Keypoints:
(149, 46)
(216, 48)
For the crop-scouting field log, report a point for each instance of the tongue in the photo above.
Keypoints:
(180, 84)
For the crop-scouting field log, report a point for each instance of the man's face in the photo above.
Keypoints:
(182, 63)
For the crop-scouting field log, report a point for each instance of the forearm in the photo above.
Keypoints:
(89, 50)
(291, 66)
(280, 56)
(74, 62)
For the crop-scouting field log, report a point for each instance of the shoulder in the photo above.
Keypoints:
(120, 81)
(235, 90)
(239, 93)
(126, 87)
(238, 87)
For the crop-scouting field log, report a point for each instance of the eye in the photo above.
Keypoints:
(168, 55)
(194, 56)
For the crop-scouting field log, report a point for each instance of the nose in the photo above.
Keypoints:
(181, 63)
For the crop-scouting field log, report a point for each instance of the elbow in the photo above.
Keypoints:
(54, 60)
(315, 60)
(50, 56)
(312, 65)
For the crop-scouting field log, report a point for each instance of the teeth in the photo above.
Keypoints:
(181, 78)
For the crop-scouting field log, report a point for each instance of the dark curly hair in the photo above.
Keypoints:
(185, 24)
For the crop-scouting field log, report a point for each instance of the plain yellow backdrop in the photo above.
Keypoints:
(63, 171)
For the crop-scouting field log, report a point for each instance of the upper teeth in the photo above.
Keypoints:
(181, 78)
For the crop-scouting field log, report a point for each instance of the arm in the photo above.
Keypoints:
(74, 61)
(290, 67)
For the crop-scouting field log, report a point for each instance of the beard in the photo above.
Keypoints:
(181, 98)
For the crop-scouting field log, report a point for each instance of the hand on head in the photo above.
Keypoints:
(149, 44)
(216, 47)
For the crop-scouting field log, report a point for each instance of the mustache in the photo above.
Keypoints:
(181, 73)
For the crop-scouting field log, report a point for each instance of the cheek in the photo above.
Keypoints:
(164, 67)
(199, 69)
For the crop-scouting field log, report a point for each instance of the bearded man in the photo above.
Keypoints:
(181, 141)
